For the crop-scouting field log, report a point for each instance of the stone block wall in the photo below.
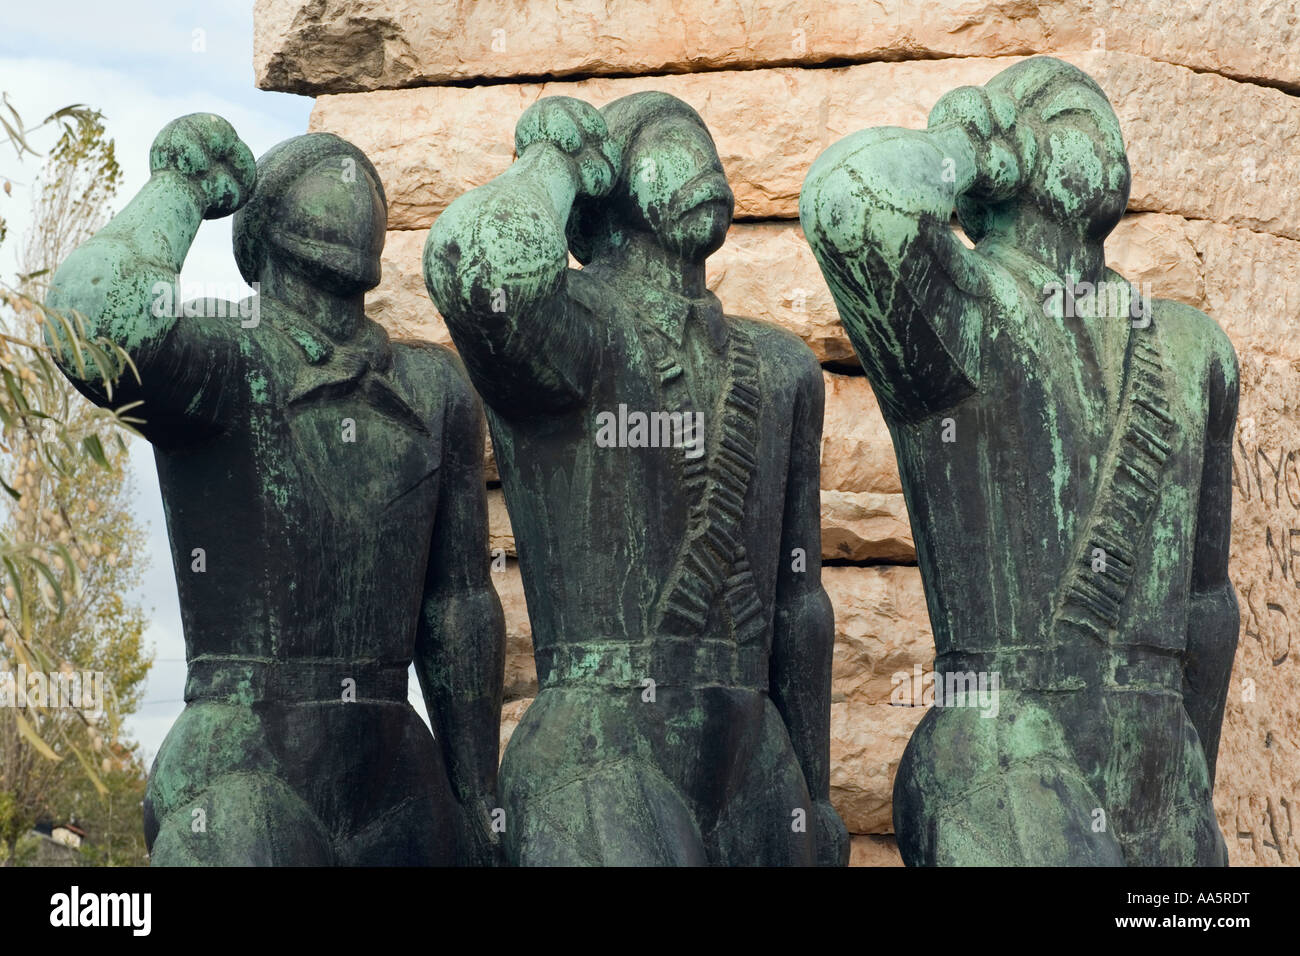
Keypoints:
(1207, 94)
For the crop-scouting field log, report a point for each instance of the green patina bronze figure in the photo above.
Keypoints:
(660, 462)
(1064, 444)
(325, 503)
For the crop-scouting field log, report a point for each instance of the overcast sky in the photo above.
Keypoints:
(143, 63)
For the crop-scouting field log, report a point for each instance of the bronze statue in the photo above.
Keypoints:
(325, 504)
(1065, 448)
(660, 462)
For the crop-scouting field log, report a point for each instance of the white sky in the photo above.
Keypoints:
(142, 63)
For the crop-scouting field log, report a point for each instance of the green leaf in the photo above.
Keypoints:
(90, 770)
(15, 392)
(26, 731)
(52, 579)
(95, 448)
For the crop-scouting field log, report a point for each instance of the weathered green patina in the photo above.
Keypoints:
(660, 462)
(1064, 444)
(325, 504)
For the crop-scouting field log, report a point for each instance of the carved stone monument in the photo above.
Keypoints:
(325, 504)
(660, 464)
(1064, 445)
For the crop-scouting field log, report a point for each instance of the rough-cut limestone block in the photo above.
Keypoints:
(766, 270)
(350, 45)
(872, 850)
(866, 526)
(501, 537)
(1252, 286)
(401, 303)
(1246, 280)
(857, 452)
(1257, 792)
(1226, 156)
(434, 143)
(490, 462)
(1225, 161)
(521, 672)
(511, 713)
(867, 742)
(1154, 251)
(882, 631)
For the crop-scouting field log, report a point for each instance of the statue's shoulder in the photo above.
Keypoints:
(434, 376)
(768, 335)
(778, 346)
(1197, 338)
(1200, 356)
(595, 289)
(423, 354)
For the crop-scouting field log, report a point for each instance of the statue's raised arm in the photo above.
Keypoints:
(496, 264)
(123, 280)
(877, 209)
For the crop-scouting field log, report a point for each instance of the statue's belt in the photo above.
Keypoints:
(1122, 667)
(667, 661)
(248, 680)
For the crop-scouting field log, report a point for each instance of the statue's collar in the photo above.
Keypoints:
(334, 367)
(668, 313)
(370, 343)
(672, 312)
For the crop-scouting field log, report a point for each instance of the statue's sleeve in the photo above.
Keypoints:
(460, 645)
(877, 209)
(804, 628)
(123, 283)
(1213, 619)
(496, 265)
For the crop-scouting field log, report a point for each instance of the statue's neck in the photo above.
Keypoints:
(1069, 254)
(642, 257)
(338, 317)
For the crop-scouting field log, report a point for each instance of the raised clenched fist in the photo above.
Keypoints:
(207, 152)
(1005, 146)
(578, 130)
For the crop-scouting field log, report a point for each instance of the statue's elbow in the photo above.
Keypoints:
(1214, 620)
(806, 615)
